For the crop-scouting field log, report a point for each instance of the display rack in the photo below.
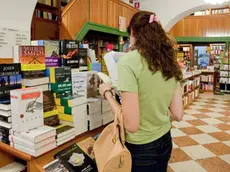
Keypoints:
(185, 54)
(225, 72)
(207, 81)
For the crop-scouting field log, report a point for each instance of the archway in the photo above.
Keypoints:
(170, 12)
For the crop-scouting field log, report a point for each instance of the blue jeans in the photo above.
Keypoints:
(151, 157)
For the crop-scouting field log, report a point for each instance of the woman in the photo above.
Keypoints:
(149, 80)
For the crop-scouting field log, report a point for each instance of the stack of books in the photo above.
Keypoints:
(94, 113)
(51, 118)
(10, 79)
(35, 142)
(32, 59)
(107, 114)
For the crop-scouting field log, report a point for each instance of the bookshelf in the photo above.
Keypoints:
(213, 11)
(185, 54)
(46, 19)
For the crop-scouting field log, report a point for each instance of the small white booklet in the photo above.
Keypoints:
(111, 59)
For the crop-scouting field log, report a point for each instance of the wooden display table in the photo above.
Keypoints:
(35, 164)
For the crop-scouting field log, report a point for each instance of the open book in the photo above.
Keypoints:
(111, 59)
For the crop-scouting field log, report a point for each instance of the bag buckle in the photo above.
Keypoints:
(122, 161)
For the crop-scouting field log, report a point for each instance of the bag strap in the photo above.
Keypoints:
(118, 125)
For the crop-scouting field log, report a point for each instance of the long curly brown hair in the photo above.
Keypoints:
(153, 43)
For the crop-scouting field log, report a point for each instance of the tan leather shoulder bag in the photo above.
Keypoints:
(110, 152)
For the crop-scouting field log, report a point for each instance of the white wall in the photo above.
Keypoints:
(172, 11)
(17, 13)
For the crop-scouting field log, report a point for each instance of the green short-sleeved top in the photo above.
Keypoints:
(155, 95)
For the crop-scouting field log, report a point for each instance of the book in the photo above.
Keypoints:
(37, 134)
(33, 74)
(5, 105)
(72, 101)
(43, 87)
(87, 146)
(48, 101)
(122, 24)
(66, 136)
(79, 83)
(94, 121)
(61, 87)
(37, 152)
(59, 74)
(35, 81)
(26, 109)
(8, 83)
(31, 57)
(4, 130)
(79, 110)
(76, 160)
(13, 167)
(52, 120)
(5, 119)
(51, 51)
(62, 130)
(31, 145)
(65, 140)
(69, 53)
(55, 166)
(10, 69)
(5, 124)
(107, 118)
(94, 106)
(83, 58)
(66, 117)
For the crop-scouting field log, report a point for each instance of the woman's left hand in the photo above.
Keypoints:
(104, 87)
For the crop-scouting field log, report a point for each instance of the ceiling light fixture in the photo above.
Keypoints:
(214, 2)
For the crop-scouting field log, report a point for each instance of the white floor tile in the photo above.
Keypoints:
(208, 129)
(175, 146)
(182, 124)
(212, 121)
(226, 158)
(198, 152)
(227, 131)
(227, 143)
(214, 114)
(177, 133)
(188, 117)
(187, 166)
(204, 138)
(190, 112)
(194, 107)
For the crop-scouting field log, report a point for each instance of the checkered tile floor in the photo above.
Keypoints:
(201, 142)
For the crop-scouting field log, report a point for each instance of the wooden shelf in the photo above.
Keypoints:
(35, 164)
(47, 8)
(45, 20)
(12, 151)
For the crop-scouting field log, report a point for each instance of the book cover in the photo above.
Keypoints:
(66, 137)
(69, 53)
(60, 74)
(63, 141)
(8, 83)
(26, 109)
(79, 110)
(63, 130)
(4, 130)
(10, 69)
(66, 117)
(74, 100)
(31, 57)
(5, 104)
(122, 24)
(61, 87)
(92, 84)
(48, 101)
(52, 120)
(79, 83)
(33, 74)
(83, 58)
(87, 146)
(76, 160)
(37, 134)
(6, 124)
(51, 51)
(55, 166)
(35, 81)
(58, 96)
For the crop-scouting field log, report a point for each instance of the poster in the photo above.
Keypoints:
(10, 37)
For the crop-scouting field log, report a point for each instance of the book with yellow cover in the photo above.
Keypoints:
(66, 117)
(32, 58)
(87, 146)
